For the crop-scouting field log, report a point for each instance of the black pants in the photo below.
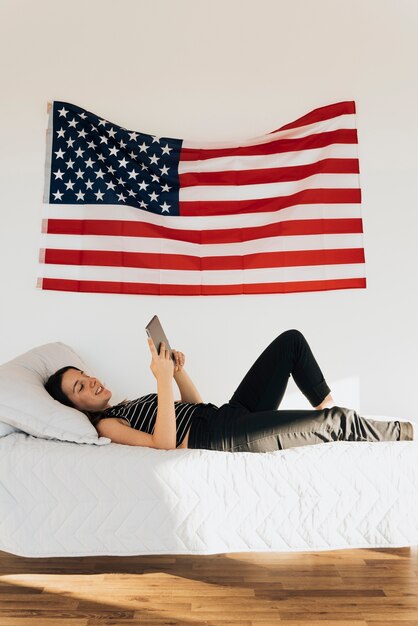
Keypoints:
(250, 421)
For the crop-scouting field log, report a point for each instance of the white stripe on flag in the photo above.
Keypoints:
(210, 277)
(215, 222)
(259, 162)
(268, 190)
(172, 246)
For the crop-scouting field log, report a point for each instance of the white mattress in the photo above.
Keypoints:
(66, 499)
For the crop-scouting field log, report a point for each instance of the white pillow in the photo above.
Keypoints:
(6, 429)
(26, 405)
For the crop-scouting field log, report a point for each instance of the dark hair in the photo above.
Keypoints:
(54, 386)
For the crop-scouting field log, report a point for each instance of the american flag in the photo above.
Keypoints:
(127, 212)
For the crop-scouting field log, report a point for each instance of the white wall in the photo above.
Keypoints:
(220, 70)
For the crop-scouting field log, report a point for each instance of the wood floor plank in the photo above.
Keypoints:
(328, 588)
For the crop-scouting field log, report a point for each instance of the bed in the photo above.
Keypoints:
(62, 498)
(65, 491)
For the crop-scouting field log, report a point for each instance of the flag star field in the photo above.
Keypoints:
(95, 161)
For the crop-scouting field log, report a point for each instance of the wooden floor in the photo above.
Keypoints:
(342, 587)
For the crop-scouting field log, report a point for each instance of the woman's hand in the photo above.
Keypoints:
(179, 360)
(162, 365)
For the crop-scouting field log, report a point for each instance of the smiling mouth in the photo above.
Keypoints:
(99, 390)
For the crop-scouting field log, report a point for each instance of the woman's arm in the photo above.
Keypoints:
(188, 391)
(165, 423)
(162, 367)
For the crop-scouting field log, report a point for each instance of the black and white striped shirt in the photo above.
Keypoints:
(142, 412)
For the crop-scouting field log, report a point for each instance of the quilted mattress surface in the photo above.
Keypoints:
(66, 499)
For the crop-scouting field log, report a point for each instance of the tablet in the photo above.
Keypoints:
(155, 331)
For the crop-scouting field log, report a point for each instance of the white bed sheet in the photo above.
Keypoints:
(66, 499)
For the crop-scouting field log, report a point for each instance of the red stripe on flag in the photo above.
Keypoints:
(270, 175)
(199, 290)
(319, 140)
(194, 208)
(216, 236)
(288, 258)
(321, 114)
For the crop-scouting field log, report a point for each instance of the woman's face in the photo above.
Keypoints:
(85, 392)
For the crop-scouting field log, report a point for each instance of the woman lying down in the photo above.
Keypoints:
(249, 422)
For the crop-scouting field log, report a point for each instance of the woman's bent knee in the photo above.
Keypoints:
(292, 333)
